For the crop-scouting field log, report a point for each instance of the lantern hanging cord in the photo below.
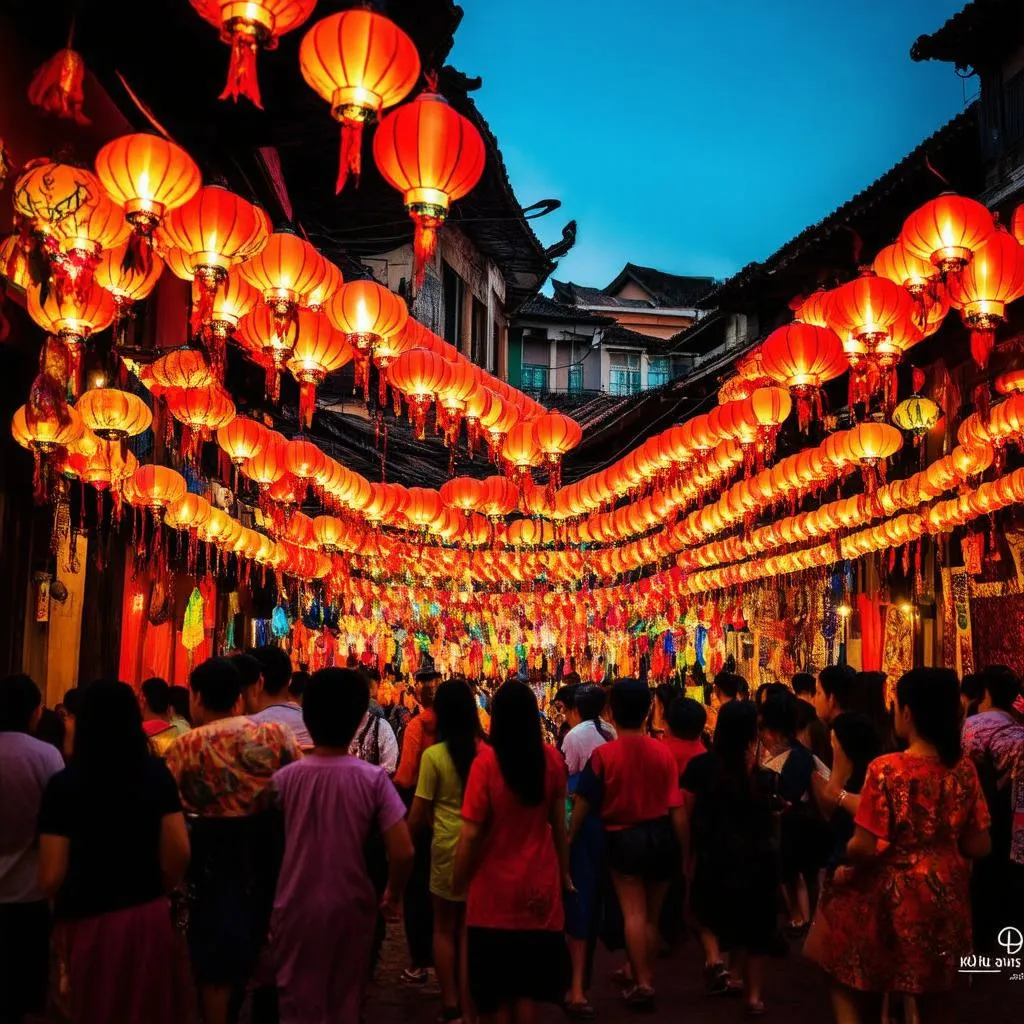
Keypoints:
(931, 167)
(143, 109)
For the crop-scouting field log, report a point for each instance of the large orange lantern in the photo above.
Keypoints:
(464, 493)
(947, 231)
(200, 411)
(304, 460)
(367, 314)
(232, 300)
(323, 291)
(319, 350)
(993, 278)
(267, 466)
(420, 376)
(112, 414)
(896, 263)
(284, 272)
(500, 497)
(870, 444)
(803, 358)
(182, 368)
(80, 238)
(127, 282)
(556, 435)
(520, 452)
(361, 63)
(242, 439)
(47, 435)
(463, 381)
(248, 26)
(499, 418)
(433, 156)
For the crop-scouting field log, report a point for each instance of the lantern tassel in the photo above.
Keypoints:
(351, 159)
(982, 343)
(425, 243)
(242, 80)
(307, 402)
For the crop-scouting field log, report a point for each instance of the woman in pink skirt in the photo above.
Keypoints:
(113, 843)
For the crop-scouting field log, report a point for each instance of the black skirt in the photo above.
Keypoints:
(506, 966)
(649, 851)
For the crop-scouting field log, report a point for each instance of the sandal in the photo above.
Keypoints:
(640, 999)
(414, 976)
(623, 975)
(579, 1011)
(718, 979)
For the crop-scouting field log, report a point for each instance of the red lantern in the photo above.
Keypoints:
(361, 63)
(803, 358)
(433, 156)
(947, 231)
(420, 376)
(556, 435)
(247, 26)
(270, 342)
(319, 350)
(461, 384)
(200, 411)
(230, 303)
(896, 263)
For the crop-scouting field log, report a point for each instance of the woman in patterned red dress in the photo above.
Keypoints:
(896, 918)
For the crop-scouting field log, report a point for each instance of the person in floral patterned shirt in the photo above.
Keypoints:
(223, 769)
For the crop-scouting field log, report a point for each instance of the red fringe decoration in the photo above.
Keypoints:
(242, 80)
(56, 86)
(424, 243)
(982, 343)
(351, 158)
(307, 402)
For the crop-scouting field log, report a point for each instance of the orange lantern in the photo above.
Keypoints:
(994, 277)
(46, 435)
(433, 156)
(498, 420)
(112, 414)
(947, 231)
(329, 532)
(367, 313)
(126, 282)
(200, 411)
(182, 368)
(319, 350)
(230, 303)
(215, 230)
(361, 63)
(803, 358)
(419, 375)
(520, 452)
(870, 444)
(324, 290)
(284, 272)
(814, 309)
(477, 407)
(147, 175)
(270, 343)
(896, 263)
(556, 435)
(768, 408)
(464, 493)
(304, 460)
(248, 26)
(424, 508)
(267, 466)
(242, 439)
(81, 237)
(1011, 382)
(500, 497)
(452, 401)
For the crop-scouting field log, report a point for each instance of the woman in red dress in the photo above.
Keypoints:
(897, 917)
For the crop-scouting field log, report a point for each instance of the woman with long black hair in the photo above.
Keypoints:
(113, 843)
(897, 919)
(444, 771)
(513, 859)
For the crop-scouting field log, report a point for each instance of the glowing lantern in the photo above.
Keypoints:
(425, 507)
(182, 368)
(147, 175)
(814, 309)
(270, 342)
(284, 272)
(769, 408)
(200, 411)
(324, 290)
(47, 438)
(870, 444)
(242, 439)
(367, 313)
(500, 497)
(361, 63)
(1011, 382)
(112, 414)
(215, 231)
(803, 358)
(464, 493)
(126, 282)
(248, 26)
(304, 460)
(156, 487)
(433, 156)
(267, 466)
(420, 376)
(917, 415)
(993, 278)
(947, 231)
(896, 263)
(81, 237)
(462, 382)
(329, 532)
(319, 350)
(556, 435)
(230, 303)
(520, 452)
(498, 420)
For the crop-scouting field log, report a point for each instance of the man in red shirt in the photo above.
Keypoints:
(634, 784)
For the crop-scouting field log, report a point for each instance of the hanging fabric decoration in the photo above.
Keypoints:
(192, 631)
(56, 87)
(279, 625)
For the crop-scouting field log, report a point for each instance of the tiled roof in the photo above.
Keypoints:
(982, 32)
(618, 335)
(580, 295)
(677, 291)
(540, 307)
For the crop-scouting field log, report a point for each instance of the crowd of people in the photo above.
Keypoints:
(246, 843)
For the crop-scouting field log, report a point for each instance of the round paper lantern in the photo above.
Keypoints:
(520, 451)
(319, 350)
(419, 375)
(556, 435)
(248, 26)
(156, 487)
(112, 414)
(303, 459)
(916, 415)
(896, 263)
(994, 277)
(803, 358)
(500, 497)
(200, 411)
(323, 291)
(267, 466)
(463, 380)
(814, 309)
(424, 508)
(81, 237)
(500, 417)
(127, 282)
(232, 300)
(284, 272)
(329, 532)
(182, 368)
(870, 444)
(242, 439)
(433, 156)
(270, 343)
(947, 231)
(188, 513)
(361, 63)
(1011, 382)
(146, 175)
(46, 435)
(464, 493)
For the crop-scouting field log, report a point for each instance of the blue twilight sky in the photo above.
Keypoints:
(698, 135)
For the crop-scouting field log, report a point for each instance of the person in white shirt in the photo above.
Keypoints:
(588, 730)
(266, 697)
(375, 743)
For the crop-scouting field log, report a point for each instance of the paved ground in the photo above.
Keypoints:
(796, 992)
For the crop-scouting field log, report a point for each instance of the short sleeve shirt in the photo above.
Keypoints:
(290, 716)
(440, 785)
(631, 780)
(517, 884)
(114, 837)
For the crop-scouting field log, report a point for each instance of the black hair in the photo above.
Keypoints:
(803, 682)
(590, 702)
(839, 681)
(735, 732)
(932, 696)
(334, 704)
(972, 686)
(868, 698)
(19, 698)
(72, 700)
(249, 669)
(857, 735)
(630, 701)
(275, 667)
(51, 729)
(765, 690)
(566, 696)
(728, 684)
(372, 673)
(665, 693)
(217, 684)
(742, 687)
(778, 713)
(109, 739)
(571, 679)
(157, 695)
(517, 741)
(458, 724)
(687, 718)
(1002, 685)
(177, 696)
(297, 687)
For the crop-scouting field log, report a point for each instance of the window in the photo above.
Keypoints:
(659, 371)
(452, 288)
(575, 378)
(624, 375)
(478, 334)
(535, 378)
